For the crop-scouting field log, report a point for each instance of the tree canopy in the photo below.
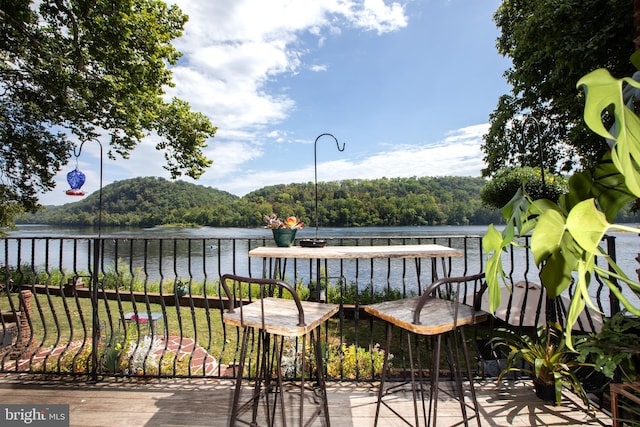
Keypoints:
(382, 202)
(150, 201)
(552, 44)
(506, 183)
(72, 71)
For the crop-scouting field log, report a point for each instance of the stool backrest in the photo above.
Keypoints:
(241, 290)
(467, 290)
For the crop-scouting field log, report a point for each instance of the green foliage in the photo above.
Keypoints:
(551, 44)
(85, 70)
(78, 362)
(566, 235)
(144, 202)
(9, 210)
(382, 202)
(351, 294)
(614, 347)
(547, 359)
(354, 362)
(10, 275)
(506, 183)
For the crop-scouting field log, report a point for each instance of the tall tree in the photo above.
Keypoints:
(552, 44)
(76, 70)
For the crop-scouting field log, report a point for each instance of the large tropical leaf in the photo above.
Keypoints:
(587, 225)
(609, 188)
(555, 274)
(547, 235)
(516, 210)
(494, 244)
(602, 92)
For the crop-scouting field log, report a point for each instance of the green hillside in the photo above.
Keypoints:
(138, 202)
(380, 202)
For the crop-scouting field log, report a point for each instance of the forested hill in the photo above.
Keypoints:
(380, 202)
(145, 202)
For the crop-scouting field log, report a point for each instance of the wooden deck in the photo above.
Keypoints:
(206, 403)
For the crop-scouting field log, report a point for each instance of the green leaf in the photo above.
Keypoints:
(516, 210)
(609, 188)
(555, 274)
(493, 243)
(578, 301)
(547, 235)
(492, 240)
(635, 59)
(587, 225)
(580, 185)
(603, 91)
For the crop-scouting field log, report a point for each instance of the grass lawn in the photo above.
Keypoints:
(57, 320)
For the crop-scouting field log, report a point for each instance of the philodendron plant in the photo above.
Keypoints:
(566, 236)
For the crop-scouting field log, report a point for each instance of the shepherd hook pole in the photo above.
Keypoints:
(96, 265)
(315, 168)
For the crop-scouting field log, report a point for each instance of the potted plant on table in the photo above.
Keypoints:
(547, 359)
(284, 232)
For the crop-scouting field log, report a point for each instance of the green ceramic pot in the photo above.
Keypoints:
(284, 237)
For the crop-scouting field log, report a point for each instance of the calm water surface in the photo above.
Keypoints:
(627, 244)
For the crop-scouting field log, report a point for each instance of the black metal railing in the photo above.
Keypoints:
(153, 307)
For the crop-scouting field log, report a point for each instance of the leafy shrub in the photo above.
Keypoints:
(614, 347)
(354, 362)
(504, 185)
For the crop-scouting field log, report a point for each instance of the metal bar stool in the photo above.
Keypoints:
(439, 313)
(271, 321)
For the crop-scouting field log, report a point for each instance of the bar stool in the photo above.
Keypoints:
(440, 312)
(271, 321)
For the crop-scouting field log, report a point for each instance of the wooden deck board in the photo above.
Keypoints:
(206, 403)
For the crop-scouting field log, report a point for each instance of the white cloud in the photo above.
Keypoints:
(230, 157)
(233, 48)
(376, 15)
(458, 154)
(318, 68)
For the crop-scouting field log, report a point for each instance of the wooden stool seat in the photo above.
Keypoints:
(437, 316)
(281, 316)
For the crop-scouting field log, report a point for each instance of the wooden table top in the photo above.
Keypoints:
(436, 317)
(281, 316)
(349, 252)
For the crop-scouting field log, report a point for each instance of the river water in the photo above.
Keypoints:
(627, 244)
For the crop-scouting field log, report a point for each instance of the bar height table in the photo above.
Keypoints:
(416, 252)
(353, 252)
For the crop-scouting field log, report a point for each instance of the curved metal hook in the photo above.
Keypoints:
(77, 152)
(315, 167)
(540, 150)
(334, 138)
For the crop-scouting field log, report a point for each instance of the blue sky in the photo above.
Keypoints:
(408, 85)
